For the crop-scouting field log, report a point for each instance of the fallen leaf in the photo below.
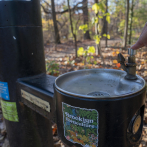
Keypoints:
(117, 52)
(80, 64)
(54, 130)
(115, 61)
(89, 65)
(118, 65)
(114, 53)
(75, 64)
(55, 74)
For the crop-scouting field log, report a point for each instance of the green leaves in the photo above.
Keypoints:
(107, 14)
(108, 36)
(95, 20)
(108, 19)
(100, 16)
(96, 8)
(97, 39)
(52, 68)
(99, 7)
(84, 28)
(105, 35)
(91, 49)
(80, 51)
(102, 7)
(95, 62)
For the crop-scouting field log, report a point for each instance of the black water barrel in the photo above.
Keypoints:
(100, 108)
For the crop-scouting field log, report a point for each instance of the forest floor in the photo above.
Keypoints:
(53, 52)
(64, 56)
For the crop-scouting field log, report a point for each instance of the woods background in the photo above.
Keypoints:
(128, 17)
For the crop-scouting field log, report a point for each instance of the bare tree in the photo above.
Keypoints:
(126, 24)
(105, 24)
(131, 20)
(57, 37)
(98, 46)
(85, 18)
(63, 27)
(52, 7)
(71, 24)
(51, 10)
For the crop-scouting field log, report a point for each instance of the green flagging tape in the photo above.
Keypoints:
(9, 110)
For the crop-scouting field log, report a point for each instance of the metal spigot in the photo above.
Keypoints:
(129, 67)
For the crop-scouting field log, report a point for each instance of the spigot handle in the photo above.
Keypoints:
(129, 67)
(120, 58)
(132, 52)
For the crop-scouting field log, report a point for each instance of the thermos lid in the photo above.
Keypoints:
(98, 83)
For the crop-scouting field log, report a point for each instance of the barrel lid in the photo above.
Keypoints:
(98, 83)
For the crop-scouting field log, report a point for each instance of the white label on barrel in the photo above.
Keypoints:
(36, 100)
(80, 125)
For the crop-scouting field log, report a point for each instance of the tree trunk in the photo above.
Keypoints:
(57, 37)
(126, 25)
(98, 47)
(85, 18)
(71, 24)
(132, 15)
(105, 26)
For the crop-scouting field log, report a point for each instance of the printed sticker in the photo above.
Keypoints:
(9, 110)
(4, 91)
(36, 100)
(80, 125)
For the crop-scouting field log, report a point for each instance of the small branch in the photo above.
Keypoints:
(47, 4)
(74, 35)
(44, 9)
(59, 23)
(67, 10)
(77, 22)
(62, 25)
